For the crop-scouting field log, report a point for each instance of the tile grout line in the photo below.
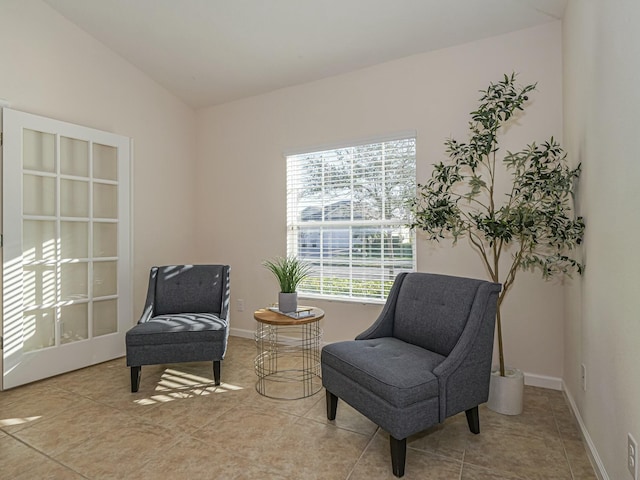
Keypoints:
(562, 441)
(364, 450)
(46, 455)
(464, 454)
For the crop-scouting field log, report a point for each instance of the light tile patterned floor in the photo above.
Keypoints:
(87, 425)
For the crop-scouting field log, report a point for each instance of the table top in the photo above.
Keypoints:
(265, 315)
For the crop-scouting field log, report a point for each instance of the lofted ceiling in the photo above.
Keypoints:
(209, 52)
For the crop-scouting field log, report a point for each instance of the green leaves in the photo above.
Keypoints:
(499, 103)
(535, 218)
(477, 185)
(289, 271)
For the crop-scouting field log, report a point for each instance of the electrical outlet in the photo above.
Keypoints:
(240, 305)
(583, 376)
(632, 456)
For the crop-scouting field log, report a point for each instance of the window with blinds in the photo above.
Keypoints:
(347, 215)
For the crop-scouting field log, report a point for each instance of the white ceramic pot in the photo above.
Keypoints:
(506, 393)
(287, 302)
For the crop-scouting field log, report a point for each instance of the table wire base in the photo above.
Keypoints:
(288, 360)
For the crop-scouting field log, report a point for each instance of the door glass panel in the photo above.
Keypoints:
(65, 221)
(74, 198)
(39, 330)
(39, 195)
(38, 151)
(73, 281)
(74, 240)
(38, 240)
(105, 201)
(39, 284)
(74, 323)
(105, 162)
(74, 157)
(105, 239)
(105, 317)
(105, 279)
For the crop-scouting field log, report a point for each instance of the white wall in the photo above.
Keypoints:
(241, 170)
(50, 67)
(602, 103)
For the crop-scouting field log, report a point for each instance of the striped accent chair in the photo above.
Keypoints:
(185, 319)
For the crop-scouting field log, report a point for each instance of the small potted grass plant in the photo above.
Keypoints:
(289, 271)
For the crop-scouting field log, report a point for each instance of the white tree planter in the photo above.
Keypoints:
(506, 393)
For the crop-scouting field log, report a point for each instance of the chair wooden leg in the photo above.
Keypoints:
(135, 378)
(398, 455)
(473, 419)
(332, 405)
(216, 371)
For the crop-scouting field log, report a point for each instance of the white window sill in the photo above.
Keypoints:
(332, 299)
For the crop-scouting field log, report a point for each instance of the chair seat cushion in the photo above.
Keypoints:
(398, 372)
(178, 328)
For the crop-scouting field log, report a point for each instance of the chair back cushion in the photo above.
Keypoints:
(431, 310)
(191, 289)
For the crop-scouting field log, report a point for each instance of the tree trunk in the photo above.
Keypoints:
(500, 349)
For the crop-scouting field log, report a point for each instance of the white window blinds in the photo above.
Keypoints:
(347, 215)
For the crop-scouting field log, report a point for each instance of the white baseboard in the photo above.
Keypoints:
(243, 333)
(594, 457)
(542, 381)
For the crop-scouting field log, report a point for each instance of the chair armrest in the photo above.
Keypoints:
(470, 360)
(147, 313)
(383, 326)
(226, 296)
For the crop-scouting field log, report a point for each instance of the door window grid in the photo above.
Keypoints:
(62, 286)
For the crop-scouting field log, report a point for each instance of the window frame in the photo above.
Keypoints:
(386, 223)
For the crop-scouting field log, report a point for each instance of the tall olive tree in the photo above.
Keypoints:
(534, 221)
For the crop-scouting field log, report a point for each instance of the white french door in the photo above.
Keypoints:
(66, 279)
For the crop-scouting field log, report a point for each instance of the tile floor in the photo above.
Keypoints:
(87, 425)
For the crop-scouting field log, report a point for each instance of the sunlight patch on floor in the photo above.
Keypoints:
(177, 385)
(7, 422)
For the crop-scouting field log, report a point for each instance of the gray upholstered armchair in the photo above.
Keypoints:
(185, 319)
(426, 358)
